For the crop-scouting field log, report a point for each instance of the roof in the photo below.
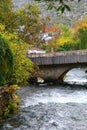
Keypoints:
(36, 50)
(51, 29)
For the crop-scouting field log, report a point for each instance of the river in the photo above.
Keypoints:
(52, 107)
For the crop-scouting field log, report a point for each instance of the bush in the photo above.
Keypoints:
(6, 61)
(22, 65)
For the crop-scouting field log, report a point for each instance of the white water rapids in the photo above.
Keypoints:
(77, 76)
(61, 95)
(60, 107)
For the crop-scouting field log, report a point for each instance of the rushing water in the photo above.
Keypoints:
(52, 107)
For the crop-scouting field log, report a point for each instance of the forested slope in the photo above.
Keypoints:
(79, 10)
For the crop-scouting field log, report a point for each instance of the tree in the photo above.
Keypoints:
(61, 6)
(81, 32)
(22, 65)
(31, 24)
(68, 40)
(8, 17)
(6, 61)
(64, 41)
(26, 21)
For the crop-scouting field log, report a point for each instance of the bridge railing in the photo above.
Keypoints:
(69, 57)
(61, 53)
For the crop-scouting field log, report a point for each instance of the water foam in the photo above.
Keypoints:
(57, 96)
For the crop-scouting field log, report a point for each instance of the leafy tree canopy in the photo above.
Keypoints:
(26, 22)
(81, 32)
(7, 16)
(30, 24)
(22, 65)
(6, 61)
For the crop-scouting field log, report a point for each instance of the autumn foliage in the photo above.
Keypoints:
(81, 32)
(22, 65)
(74, 38)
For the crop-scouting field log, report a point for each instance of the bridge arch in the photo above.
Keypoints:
(56, 73)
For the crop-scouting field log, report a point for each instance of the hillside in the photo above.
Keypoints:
(79, 10)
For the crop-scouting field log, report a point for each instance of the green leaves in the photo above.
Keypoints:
(6, 61)
(62, 6)
(67, 7)
(79, 0)
(33, 24)
(50, 7)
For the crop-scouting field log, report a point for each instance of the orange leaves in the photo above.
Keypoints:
(81, 24)
(51, 29)
(81, 32)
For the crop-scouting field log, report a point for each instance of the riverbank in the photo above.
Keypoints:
(4, 99)
(9, 102)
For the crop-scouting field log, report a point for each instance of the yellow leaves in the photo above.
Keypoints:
(13, 103)
(16, 99)
(6, 112)
(33, 9)
(12, 88)
(65, 40)
(82, 25)
(2, 27)
(22, 65)
(12, 37)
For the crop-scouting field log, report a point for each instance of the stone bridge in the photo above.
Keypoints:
(54, 66)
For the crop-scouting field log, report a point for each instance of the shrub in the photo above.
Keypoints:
(6, 61)
(22, 65)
